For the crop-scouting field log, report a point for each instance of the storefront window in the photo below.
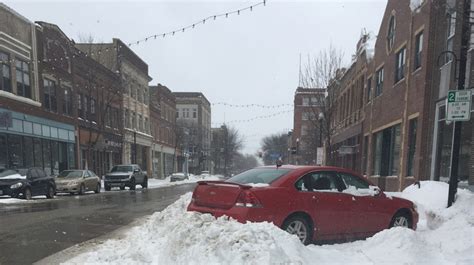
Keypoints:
(62, 156)
(28, 151)
(71, 155)
(15, 154)
(55, 157)
(387, 151)
(3, 152)
(38, 153)
(47, 156)
(377, 152)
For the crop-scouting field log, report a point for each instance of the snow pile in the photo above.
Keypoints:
(14, 176)
(370, 47)
(175, 236)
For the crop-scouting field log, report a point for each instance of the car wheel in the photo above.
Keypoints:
(97, 188)
(50, 193)
(82, 190)
(298, 226)
(107, 187)
(132, 184)
(27, 194)
(145, 183)
(400, 220)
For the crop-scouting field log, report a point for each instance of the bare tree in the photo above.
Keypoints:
(320, 71)
(243, 162)
(274, 147)
(225, 146)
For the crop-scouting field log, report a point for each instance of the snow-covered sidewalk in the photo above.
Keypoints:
(174, 236)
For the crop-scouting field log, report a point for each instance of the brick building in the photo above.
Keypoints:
(448, 20)
(78, 87)
(307, 135)
(33, 129)
(134, 78)
(193, 114)
(348, 96)
(163, 129)
(390, 105)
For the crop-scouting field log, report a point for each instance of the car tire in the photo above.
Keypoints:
(27, 194)
(145, 183)
(401, 219)
(107, 187)
(132, 184)
(50, 194)
(82, 189)
(97, 188)
(299, 226)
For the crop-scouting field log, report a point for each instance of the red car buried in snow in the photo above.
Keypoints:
(315, 203)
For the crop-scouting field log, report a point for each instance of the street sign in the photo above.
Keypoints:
(319, 155)
(459, 105)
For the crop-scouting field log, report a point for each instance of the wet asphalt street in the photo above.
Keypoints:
(34, 230)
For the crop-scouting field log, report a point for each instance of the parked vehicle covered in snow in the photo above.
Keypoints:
(314, 203)
(77, 181)
(178, 177)
(26, 183)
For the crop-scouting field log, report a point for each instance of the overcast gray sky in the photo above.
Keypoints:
(252, 58)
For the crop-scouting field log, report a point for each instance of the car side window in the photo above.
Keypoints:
(33, 173)
(91, 174)
(41, 173)
(353, 181)
(318, 181)
(88, 175)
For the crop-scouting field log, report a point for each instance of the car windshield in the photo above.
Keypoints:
(70, 174)
(259, 175)
(122, 169)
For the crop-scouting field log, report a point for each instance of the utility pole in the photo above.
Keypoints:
(465, 35)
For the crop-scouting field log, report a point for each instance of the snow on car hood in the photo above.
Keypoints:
(14, 176)
(175, 236)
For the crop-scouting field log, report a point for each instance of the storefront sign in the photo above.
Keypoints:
(346, 150)
(6, 119)
(459, 105)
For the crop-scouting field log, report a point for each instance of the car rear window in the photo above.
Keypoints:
(259, 175)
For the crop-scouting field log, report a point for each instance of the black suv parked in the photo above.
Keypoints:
(27, 183)
(125, 176)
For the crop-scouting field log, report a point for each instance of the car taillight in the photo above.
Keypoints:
(247, 199)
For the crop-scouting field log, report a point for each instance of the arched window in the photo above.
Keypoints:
(391, 33)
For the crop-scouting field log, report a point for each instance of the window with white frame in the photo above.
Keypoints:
(23, 86)
(49, 95)
(379, 82)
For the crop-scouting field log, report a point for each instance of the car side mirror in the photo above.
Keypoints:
(136, 170)
(377, 191)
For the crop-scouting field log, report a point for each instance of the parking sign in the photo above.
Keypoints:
(459, 105)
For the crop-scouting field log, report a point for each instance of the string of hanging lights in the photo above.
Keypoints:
(152, 37)
(255, 118)
(200, 22)
(251, 105)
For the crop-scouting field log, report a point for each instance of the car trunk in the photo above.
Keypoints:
(217, 194)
